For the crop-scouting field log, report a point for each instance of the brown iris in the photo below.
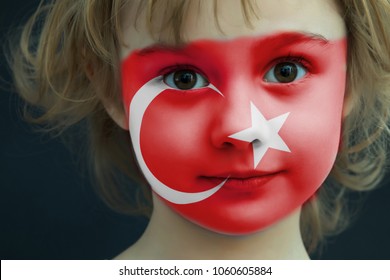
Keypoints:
(285, 72)
(185, 79)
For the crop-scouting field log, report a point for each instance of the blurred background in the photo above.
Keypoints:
(48, 208)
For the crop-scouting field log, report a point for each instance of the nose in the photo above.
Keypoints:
(233, 126)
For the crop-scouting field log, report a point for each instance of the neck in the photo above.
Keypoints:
(169, 236)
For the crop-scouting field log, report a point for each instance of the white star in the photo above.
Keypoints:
(263, 134)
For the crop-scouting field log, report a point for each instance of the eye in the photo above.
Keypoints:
(285, 72)
(185, 79)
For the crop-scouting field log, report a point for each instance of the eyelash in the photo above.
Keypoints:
(178, 67)
(289, 58)
(294, 59)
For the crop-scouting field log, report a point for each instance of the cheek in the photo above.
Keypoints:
(314, 129)
(175, 139)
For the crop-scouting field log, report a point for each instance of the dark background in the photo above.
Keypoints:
(48, 209)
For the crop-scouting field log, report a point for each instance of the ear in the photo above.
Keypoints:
(116, 112)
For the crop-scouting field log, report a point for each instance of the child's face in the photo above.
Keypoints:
(234, 131)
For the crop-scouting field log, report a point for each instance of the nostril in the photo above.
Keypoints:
(226, 145)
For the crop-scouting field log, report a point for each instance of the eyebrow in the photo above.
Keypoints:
(294, 37)
(319, 37)
(289, 37)
(157, 47)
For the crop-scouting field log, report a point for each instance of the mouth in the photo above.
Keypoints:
(241, 182)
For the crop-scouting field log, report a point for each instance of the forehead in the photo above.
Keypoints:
(212, 20)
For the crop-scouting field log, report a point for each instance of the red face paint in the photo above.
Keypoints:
(243, 152)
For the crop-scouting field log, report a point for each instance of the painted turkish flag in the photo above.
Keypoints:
(241, 152)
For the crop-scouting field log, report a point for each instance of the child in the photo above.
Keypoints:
(249, 120)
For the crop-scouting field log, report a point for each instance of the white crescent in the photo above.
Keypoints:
(140, 102)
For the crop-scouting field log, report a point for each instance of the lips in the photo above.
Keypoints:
(242, 182)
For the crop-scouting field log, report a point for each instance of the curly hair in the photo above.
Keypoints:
(51, 69)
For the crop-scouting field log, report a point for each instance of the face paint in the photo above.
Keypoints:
(234, 135)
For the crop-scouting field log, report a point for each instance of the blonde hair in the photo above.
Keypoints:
(52, 72)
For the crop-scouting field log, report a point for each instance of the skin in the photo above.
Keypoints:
(230, 130)
(282, 238)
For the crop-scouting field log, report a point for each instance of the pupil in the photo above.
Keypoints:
(286, 72)
(185, 79)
